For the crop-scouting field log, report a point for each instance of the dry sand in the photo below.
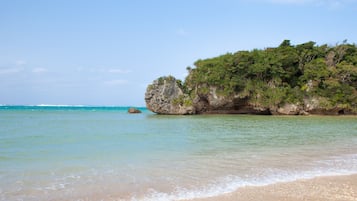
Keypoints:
(337, 188)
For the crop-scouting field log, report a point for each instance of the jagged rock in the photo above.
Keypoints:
(217, 103)
(212, 102)
(133, 110)
(311, 104)
(317, 105)
(165, 96)
(289, 109)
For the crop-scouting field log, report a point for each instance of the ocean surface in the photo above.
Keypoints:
(104, 153)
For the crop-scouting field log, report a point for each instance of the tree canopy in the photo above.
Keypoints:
(284, 74)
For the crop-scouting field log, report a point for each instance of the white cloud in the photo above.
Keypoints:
(182, 32)
(115, 82)
(10, 70)
(39, 70)
(119, 71)
(328, 3)
(20, 62)
(79, 69)
(109, 70)
(292, 1)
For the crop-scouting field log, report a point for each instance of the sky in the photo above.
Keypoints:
(106, 52)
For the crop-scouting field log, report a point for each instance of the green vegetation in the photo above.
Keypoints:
(284, 74)
(182, 100)
(169, 78)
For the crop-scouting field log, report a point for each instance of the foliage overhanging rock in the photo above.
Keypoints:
(288, 79)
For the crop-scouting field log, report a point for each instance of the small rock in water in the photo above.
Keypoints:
(133, 111)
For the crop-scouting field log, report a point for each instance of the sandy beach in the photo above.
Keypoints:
(336, 188)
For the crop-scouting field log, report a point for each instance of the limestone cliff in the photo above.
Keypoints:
(165, 96)
(285, 80)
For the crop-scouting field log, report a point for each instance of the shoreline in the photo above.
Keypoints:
(334, 188)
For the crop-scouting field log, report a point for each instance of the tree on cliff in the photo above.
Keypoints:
(284, 74)
(288, 79)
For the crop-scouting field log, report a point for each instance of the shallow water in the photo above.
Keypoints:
(103, 153)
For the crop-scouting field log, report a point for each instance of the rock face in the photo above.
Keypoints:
(133, 111)
(313, 106)
(215, 103)
(166, 96)
(289, 109)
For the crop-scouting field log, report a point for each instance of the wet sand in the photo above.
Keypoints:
(336, 188)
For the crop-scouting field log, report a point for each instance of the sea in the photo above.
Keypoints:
(90, 153)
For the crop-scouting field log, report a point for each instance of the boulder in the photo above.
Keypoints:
(166, 96)
(289, 109)
(133, 110)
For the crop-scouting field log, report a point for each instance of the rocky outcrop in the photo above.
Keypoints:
(311, 106)
(288, 109)
(317, 105)
(216, 103)
(166, 96)
(133, 110)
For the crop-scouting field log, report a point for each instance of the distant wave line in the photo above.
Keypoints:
(92, 107)
(54, 105)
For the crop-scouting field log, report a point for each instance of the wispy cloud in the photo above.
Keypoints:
(182, 32)
(39, 70)
(109, 70)
(326, 3)
(116, 82)
(119, 71)
(289, 1)
(10, 70)
(20, 62)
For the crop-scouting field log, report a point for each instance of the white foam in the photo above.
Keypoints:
(232, 183)
(53, 105)
(220, 188)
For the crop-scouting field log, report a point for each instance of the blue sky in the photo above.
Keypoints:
(80, 52)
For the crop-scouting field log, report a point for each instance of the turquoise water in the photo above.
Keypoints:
(103, 153)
